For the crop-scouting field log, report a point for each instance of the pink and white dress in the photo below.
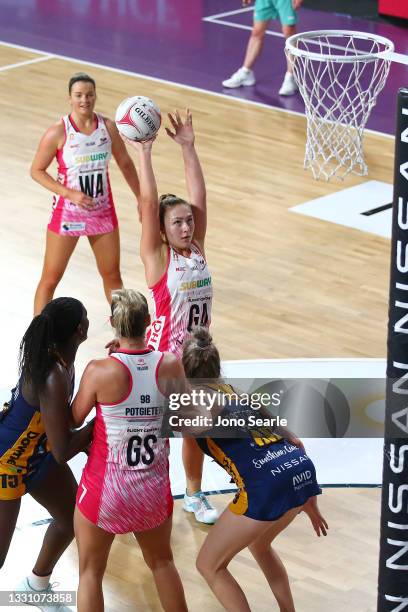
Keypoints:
(125, 484)
(83, 165)
(182, 301)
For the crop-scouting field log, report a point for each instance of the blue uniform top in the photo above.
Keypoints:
(272, 475)
(23, 441)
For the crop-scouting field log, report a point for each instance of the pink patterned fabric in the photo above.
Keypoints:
(83, 166)
(182, 300)
(125, 484)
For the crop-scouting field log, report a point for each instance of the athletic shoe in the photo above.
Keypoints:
(288, 87)
(243, 76)
(25, 587)
(201, 507)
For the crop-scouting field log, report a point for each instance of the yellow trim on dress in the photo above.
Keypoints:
(239, 504)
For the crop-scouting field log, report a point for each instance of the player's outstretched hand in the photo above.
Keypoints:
(318, 521)
(139, 145)
(183, 132)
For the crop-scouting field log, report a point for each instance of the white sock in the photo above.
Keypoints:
(246, 70)
(38, 583)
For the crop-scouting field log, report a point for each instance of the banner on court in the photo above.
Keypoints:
(393, 566)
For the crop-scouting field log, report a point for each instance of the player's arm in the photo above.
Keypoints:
(171, 376)
(52, 140)
(151, 245)
(86, 397)
(184, 135)
(55, 414)
(184, 402)
(296, 4)
(123, 159)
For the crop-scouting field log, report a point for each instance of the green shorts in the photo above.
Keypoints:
(275, 9)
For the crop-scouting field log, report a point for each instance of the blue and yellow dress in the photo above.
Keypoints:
(272, 475)
(25, 453)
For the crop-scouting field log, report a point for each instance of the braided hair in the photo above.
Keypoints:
(49, 330)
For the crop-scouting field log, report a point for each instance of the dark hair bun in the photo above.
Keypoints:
(202, 337)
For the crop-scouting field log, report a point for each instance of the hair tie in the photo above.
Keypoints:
(202, 343)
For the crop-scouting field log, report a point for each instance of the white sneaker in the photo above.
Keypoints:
(288, 87)
(201, 507)
(48, 596)
(243, 76)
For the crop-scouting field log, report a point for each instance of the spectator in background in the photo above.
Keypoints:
(265, 10)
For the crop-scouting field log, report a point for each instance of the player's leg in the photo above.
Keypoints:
(271, 564)
(54, 487)
(264, 11)
(287, 31)
(255, 43)
(94, 545)
(288, 18)
(194, 500)
(55, 491)
(244, 75)
(9, 509)
(156, 549)
(58, 250)
(229, 535)
(106, 248)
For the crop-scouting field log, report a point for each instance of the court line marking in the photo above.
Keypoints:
(228, 13)
(76, 60)
(240, 26)
(217, 20)
(34, 60)
(400, 58)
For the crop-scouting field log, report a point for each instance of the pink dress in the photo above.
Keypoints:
(83, 165)
(182, 300)
(125, 484)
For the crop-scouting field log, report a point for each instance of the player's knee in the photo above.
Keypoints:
(68, 528)
(159, 560)
(258, 548)
(112, 276)
(204, 567)
(50, 280)
(92, 565)
(65, 526)
(258, 30)
(288, 30)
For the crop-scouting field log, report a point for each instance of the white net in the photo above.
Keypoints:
(339, 75)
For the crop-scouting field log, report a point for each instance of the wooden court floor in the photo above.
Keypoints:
(286, 286)
(337, 573)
